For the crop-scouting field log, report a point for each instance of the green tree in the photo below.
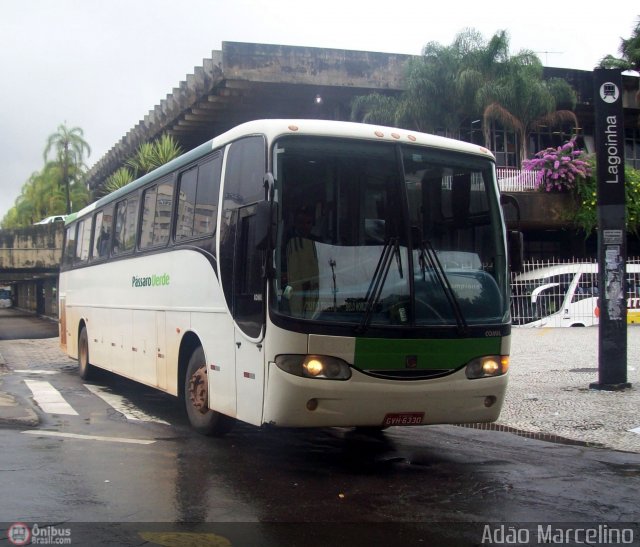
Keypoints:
(521, 100)
(43, 195)
(630, 51)
(448, 86)
(69, 147)
(441, 86)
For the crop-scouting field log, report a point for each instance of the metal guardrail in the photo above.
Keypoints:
(516, 180)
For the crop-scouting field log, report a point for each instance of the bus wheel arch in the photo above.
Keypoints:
(85, 369)
(194, 387)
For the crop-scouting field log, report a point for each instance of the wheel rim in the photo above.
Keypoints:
(198, 390)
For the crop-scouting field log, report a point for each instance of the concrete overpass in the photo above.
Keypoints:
(30, 263)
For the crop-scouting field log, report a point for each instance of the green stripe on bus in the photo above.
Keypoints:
(392, 354)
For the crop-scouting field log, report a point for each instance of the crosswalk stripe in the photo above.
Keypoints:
(43, 432)
(122, 405)
(38, 372)
(49, 398)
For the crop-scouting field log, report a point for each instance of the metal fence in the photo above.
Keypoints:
(516, 180)
(565, 293)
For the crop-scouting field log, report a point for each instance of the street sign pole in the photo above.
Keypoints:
(612, 248)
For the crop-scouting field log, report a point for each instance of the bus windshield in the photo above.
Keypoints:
(383, 234)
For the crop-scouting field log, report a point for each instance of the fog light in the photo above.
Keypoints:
(312, 404)
(490, 401)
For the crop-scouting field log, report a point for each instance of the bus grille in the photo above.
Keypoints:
(409, 374)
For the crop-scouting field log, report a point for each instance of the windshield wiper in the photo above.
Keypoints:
(429, 255)
(391, 248)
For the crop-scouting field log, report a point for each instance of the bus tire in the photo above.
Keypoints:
(196, 399)
(85, 368)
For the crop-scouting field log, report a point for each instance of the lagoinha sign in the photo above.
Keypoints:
(150, 280)
(610, 93)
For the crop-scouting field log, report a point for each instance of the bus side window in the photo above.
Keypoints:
(83, 240)
(125, 231)
(198, 192)
(149, 200)
(207, 197)
(70, 245)
(587, 287)
(102, 234)
(186, 203)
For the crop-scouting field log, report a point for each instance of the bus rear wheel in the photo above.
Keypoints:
(196, 399)
(84, 366)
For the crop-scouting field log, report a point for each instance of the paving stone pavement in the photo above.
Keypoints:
(548, 395)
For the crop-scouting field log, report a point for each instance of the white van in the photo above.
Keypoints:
(566, 295)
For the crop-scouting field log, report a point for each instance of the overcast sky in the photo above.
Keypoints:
(102, 65)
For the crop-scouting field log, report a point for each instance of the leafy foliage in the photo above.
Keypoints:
(59, 187)
(43, 195)
(586, 214)
(149, 156)
(448, 86)
(630, 50)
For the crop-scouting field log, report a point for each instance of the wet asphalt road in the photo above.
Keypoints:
(439, 485)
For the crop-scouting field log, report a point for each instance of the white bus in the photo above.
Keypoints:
(567, 295)
(300, 273)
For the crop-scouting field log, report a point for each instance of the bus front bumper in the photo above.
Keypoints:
(292, 401)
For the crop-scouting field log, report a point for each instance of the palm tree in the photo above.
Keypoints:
(149, 156)
(441, 85)
(69, 147)
(630, 50)
(522, 101)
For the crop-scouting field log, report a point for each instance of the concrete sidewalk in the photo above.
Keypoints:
(548, 395)
(548, 392)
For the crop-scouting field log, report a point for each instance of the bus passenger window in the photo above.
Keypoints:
(84, 239)
(125, 232)
(102, 234)
(186, 203)
(70, 245)
(148, 216)
(198, 200)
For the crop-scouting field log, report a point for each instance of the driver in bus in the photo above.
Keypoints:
(302, 266)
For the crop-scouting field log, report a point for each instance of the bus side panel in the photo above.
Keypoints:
(215, 330)
(144, 349)
(100, 337)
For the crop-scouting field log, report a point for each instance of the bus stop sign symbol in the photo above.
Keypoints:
(609, 92)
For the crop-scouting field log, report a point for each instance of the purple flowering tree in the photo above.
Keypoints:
(559, 169)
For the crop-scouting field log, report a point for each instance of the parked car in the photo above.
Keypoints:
(51, 219)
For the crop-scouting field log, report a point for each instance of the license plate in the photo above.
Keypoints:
(403, 418)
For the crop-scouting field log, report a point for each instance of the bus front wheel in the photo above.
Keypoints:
(196, 399)
(84, 366)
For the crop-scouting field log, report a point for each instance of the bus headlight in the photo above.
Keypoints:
(487, 367)
(314, 366)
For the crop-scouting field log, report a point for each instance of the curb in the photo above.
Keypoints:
(16, 413)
